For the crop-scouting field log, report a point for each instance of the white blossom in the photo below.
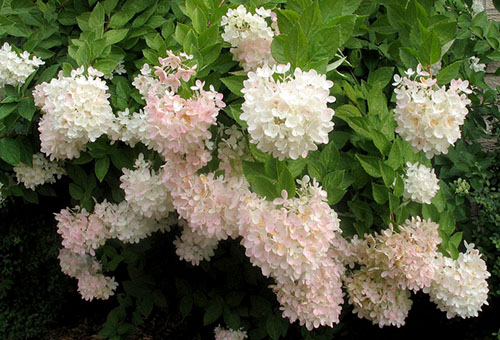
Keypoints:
(420, 183)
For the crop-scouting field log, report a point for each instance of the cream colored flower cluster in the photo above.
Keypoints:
(459, 286)
(420, 183)
(144, 190)
(289, 115)
(250, 37)
(43, 171)
(92, 284)
(428, 116)
(16, 68)
(76, 111)
(229, 334)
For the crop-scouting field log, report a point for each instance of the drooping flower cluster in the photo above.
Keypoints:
(81, 231)
(229, 334)
(76, 111)
(16, 68)
(289, 116)
(293, 240)
(193, 247)
(144, 190)
(91, 282)
(250, 37)
(428, 116)
(40, 173)
(420, 183)
(459, 286)
(377, 299)
(314, 301)
(405, 257)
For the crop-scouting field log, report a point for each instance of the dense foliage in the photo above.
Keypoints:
(305, 155)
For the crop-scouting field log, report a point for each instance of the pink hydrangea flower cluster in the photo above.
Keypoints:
(76, 111)
(429, 116)
(289, 115)
(132, 128)
(289, 237)
(376, 298)
(406, 257)
(316, 300)
(81, 231)
(250, 36)
(92, 284)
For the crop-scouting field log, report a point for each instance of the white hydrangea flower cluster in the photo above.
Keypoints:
(76, 110)
(193, 247)
(16, 68)
(475, 65)
(459, 286)
(144, 190)
(229, 334)
(289, 116)
(125, 224)
(92, 284)
(376, 299)
(132, 128)
(43, 171)
(250, 36)
(429, 117)
(420, 183)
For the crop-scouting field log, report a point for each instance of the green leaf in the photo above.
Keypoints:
(387, 174)
(296, 47)
(145, 305)
(231, 319)
(212, 313)
(199, 20)
(7, 109)
(447, 222)
(186, 305)
(10, 151)
(330, 157)
(430, 51)
(263, 187)
(115, 36)
(439, 201)
(456, 238)
(370, 164)
(448, 73)
(380, 193)
(76, 191)
(395, 159)
(27, 108)
(252, 168)
(316, 169)
(296, 166)
(96, 20)
(287, 20)
(496, 3)
(101, 168)
(286, 182)
(234, 84)
(381, 77)
(273, 326)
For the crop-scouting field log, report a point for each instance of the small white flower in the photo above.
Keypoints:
(421, 183)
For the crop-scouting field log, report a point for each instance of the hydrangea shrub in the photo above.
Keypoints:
(311, 133)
